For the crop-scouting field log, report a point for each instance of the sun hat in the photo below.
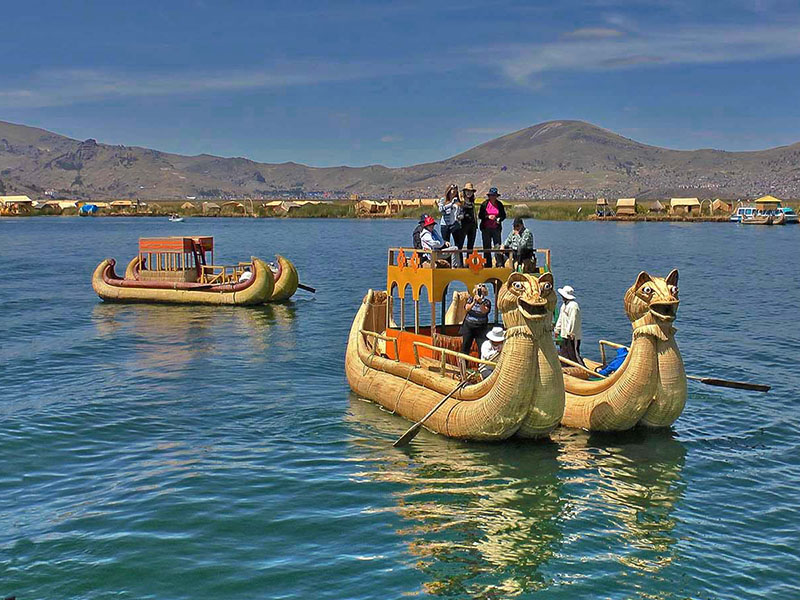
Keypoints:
(428, 221)
(567, 292)
(469, 186)
(496, 334)
(493, 192)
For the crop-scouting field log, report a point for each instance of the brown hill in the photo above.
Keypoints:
(557, 159)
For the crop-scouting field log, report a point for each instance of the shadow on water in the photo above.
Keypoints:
(487, 520)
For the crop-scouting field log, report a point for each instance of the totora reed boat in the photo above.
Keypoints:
(180, 270)
(649, 388)
(408, 367)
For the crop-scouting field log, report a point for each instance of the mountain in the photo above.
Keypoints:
(556, 159)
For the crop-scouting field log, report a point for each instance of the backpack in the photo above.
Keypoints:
(416, 237)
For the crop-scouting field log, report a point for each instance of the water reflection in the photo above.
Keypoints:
(165, 340)
(506, 519)
(483, 518)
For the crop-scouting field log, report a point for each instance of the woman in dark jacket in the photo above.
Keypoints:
(491, 216)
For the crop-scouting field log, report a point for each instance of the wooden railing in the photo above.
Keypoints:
(219, 274)
(384, 338)
(603, 344)
(447, 352)
(449, 252)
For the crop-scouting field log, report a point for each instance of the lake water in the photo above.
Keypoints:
(189, 452)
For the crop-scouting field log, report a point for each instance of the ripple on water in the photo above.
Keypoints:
(186, 452)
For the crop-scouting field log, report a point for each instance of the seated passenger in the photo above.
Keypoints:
(491, 348)
(521, 241)
(246, 275)
(430, 238)
(416, 237)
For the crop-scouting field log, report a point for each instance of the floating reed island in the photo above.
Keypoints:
(181, 270)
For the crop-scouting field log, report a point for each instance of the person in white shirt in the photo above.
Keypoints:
(246, 275)
(491, 348)
(430, 238)
(450, 223)
(568, 325)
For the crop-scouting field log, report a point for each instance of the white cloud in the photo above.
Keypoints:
(590, 33)
(70, 86)
(522, 63)
(389, 139)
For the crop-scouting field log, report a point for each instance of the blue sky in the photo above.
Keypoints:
(398, 83)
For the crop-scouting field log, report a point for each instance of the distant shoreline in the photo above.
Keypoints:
(554, 210)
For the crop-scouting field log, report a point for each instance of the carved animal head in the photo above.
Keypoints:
(654, 296)
(527, 299)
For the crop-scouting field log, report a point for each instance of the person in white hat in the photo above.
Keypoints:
(491, 348)
(568, 325)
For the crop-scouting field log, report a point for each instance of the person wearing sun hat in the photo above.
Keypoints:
(491, 216)
(469, 224)
(568, 325)
(491, 348)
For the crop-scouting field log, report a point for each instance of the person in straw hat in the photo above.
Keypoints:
(568, 325)
(491, 348)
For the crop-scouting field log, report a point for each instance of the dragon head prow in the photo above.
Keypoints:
(526, 299)
(653, 297)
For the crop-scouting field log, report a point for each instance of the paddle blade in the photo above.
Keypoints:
(739, 385)
(405, 439)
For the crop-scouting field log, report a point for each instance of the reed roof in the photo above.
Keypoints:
(684, 202)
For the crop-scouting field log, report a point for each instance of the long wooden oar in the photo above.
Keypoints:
(738, 385)
(307, 288)
(409, 435)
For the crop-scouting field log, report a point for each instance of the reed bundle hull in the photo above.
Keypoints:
(650, 388)
(112, 288)
(524, 395)
(286, 280)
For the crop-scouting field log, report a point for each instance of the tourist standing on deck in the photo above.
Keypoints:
(521, 242)
(476, 321)
(450, 223)
(491, 216)
(469, 224)
(568, 325)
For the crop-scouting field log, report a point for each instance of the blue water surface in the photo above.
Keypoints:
(195, 452)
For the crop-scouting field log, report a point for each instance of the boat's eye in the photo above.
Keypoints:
(518, 285)
(546, 286)
(673, 289)
(647, 290)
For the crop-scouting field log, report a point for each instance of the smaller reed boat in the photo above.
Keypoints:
(409, 367)
(181, 270)
(649, 388)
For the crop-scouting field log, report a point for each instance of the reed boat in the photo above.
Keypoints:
(649, 388)
(408, 367)
(286, 279)
(180, 270)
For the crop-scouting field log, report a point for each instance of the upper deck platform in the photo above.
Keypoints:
(405, 267)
